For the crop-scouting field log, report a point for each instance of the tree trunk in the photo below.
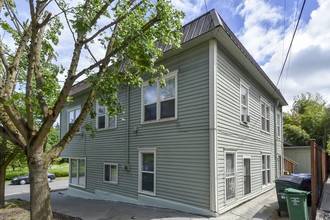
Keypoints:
(39, 189)
(2, 186)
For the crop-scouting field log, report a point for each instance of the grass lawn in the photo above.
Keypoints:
(61, 170)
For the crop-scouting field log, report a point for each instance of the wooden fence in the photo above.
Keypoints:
(319, 172)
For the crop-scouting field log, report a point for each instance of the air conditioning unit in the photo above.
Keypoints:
(245, 118)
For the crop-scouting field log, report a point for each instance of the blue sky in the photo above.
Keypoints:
(265, 28)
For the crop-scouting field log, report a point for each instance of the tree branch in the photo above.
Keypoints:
(13, 18)
(3, 57)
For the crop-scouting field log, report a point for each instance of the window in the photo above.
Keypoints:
(265, 115)
(230, 176)
(247, 175)
(278, 124)
(72, 116)
(103, 120)
(265, 170)
(244, 105)
(159, 103)
(77, 172)
(147, 171)
(110, 173)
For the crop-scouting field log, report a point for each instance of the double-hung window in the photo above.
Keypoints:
(77, 172)
(265, 169)
(160, 102)
(72, 116)
(103, 120)
(230, 176)
(244, 103)
(265, 117)
(147, 171)
(278, 124)
(110, 173)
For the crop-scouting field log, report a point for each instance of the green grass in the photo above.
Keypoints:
(61, 170)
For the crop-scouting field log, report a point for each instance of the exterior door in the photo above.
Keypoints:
(247, 176)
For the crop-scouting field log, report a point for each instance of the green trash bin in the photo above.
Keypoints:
(283, 183)
(297, 204)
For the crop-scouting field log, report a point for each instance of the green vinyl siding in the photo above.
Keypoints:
(232, 135)
(182, 145)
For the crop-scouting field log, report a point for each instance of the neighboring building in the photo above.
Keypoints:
(301, 155)
(208, 141)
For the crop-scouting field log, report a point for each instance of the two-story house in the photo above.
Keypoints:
(206, 142)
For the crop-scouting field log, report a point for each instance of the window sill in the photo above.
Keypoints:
(109, 182)
(265, 132)
(159, 121)
(105, 129)
(244, 124)
(147, 193)
(71, 184)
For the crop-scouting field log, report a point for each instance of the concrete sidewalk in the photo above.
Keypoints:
(324, 210)
(261, 207)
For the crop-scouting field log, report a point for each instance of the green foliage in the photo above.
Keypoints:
(309, 118)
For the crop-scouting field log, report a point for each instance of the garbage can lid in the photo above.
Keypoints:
(292, 179)
(307, 176)
(295, 191)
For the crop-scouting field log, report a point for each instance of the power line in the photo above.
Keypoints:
(288, 52)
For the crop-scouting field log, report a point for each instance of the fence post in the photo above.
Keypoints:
(314, 178)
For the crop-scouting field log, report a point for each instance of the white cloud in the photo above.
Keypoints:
(192, 8)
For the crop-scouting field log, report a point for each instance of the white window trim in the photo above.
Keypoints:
(68, 116)
(77, 158)
(107, 117)
(244, 84)
(235, 158)
(278, 124)
(141, 151)
(111, 164)
(266, 169)
(264, 101)
(158, 119)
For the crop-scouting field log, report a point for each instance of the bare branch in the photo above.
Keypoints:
(13, 69)
(3, 57)
(13, 18)
(67, 21)
(32, 11)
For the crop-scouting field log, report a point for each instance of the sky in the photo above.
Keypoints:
(265, 28)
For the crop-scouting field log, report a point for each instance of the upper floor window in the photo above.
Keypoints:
(244, 103)
(265, 116)
(103, 120)
(72, 116)
(278, 124)
(160, 102)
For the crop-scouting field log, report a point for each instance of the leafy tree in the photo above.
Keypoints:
(126, 33)
(309, 118)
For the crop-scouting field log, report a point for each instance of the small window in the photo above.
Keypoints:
(230, 176)
(147, 172)
(110, 173)
(265, 117)
(244, 103)
(103, 120)
(266, 176)
(247, 175)
(278, 124)
(160, 102)
(77, 172)
(279, 166)
(72, 116)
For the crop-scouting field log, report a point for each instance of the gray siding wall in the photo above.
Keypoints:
(245, 141)
(182, 155)
(302, 156)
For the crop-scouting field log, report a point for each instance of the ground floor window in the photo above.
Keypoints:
(279, 165)
(110, 173)
(78, 172)
(230, 176)
(147, 171)
(266, 177)
(247, 175)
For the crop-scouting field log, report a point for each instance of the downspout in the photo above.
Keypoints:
(127, 130)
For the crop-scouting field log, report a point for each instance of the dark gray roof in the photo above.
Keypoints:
(205, 23)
